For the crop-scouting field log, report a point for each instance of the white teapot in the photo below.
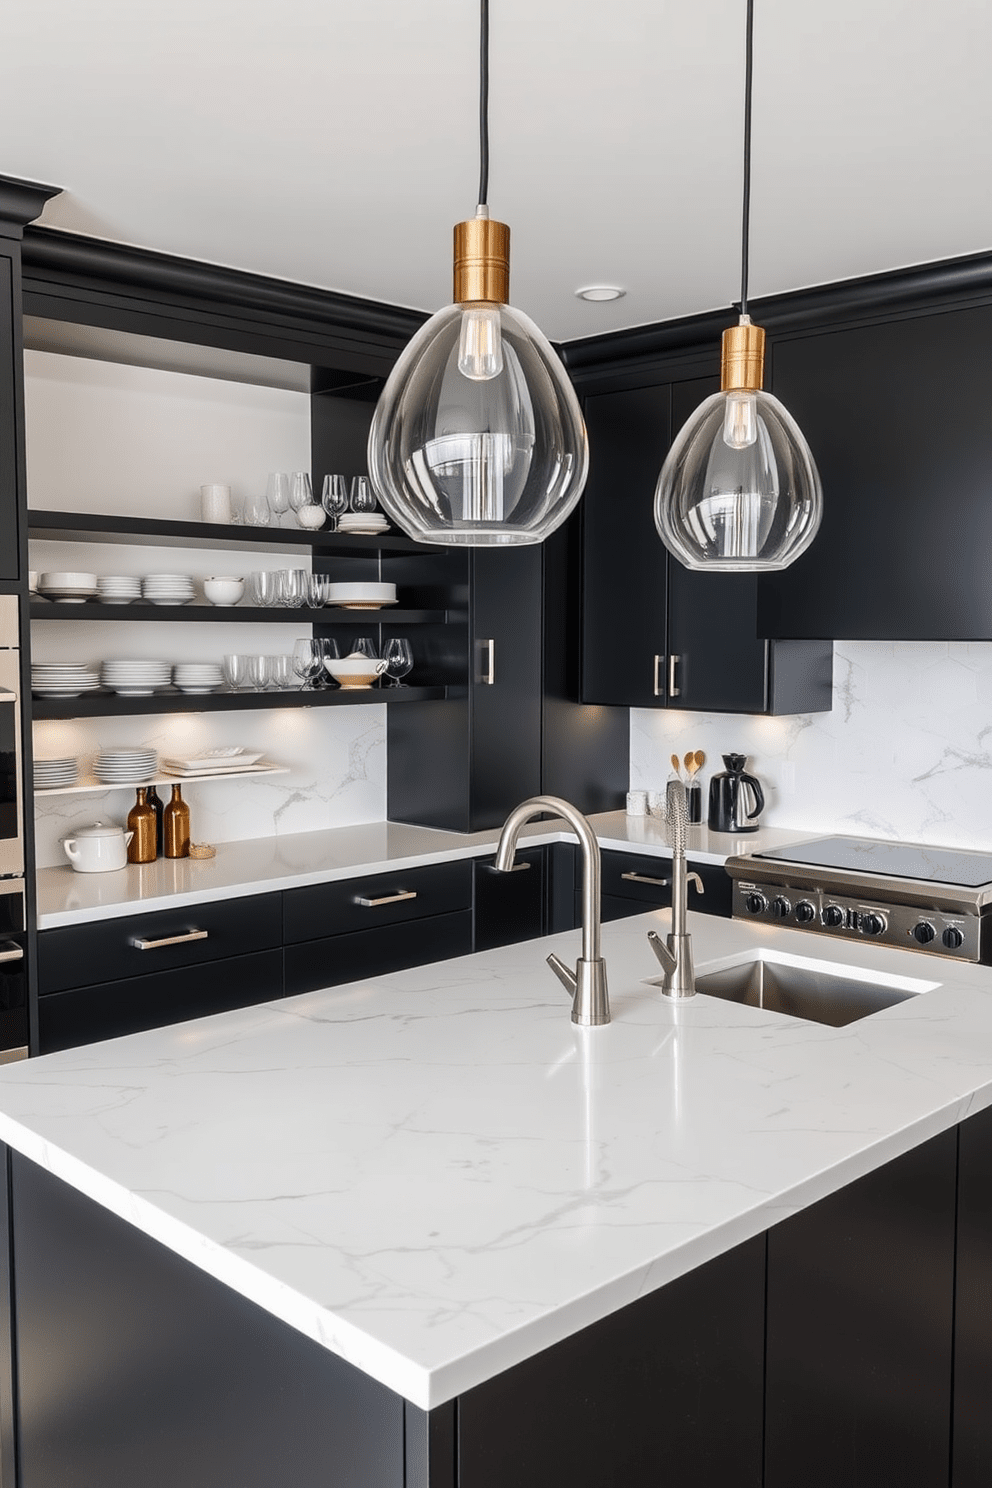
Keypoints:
(101, 848)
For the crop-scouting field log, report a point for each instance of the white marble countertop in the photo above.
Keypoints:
(435, 1175)
(263, 864)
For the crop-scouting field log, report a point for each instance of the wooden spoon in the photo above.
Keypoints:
(699, 760)
(676, 766)
(690, 764)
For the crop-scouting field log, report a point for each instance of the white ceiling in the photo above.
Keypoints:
(334, 141)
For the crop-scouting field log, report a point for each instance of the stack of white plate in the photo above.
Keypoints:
(63, 678)
(197, 676)
(168, 589)
(118, 588)
(364, 596)
(68, 588)
(363, 522)
(215, 762)
(125, 766)
(137, 678)
(49, 773)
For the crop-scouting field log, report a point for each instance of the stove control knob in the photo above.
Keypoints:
(805, 912)
(755, 903)
(833, 915)
(923, 932)
(872, 924)
(781, 907)
(952, 938)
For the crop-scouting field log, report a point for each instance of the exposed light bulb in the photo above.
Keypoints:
(480, 343)
(740, 422)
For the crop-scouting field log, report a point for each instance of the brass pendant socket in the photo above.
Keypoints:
(742, 363)
(482, 261)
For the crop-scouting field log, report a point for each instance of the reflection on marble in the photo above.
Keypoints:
(337, 759)
(435, 1175)
(905, 753)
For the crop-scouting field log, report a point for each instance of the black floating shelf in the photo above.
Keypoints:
(85, 527)
(224, 614)
(109, 705)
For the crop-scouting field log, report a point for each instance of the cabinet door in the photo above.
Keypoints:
(860, 1303)
(10, 375)
(719, 662)
(897, 418)
(509, 906)
(624, 564)
(972, 1463)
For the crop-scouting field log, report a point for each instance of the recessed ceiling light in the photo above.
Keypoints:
(597, 292)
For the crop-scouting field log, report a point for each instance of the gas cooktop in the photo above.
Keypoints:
(936, 899)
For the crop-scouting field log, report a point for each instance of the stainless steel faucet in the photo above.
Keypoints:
(676, 956)
(586, 985)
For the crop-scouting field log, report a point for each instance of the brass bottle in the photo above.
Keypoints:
(141, 821)
(175, 826)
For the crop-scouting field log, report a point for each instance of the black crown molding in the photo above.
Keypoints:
(899, 290)
(70, 259)
(21, 202)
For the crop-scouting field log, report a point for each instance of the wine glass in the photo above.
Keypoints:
(308, 661)
(364, 646)
(334, 498)
(362, 497)
(329, 651)
(398, 657)
(277, 494)
(300, 493)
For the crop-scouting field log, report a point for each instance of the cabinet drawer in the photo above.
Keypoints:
(79, 955)
(367, 953)
(381, 899)
(66, 1019)
(509, 907)
(637, 876)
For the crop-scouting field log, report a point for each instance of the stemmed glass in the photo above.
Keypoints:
(308, 661)
(300, 493)
(328, 652)
(362, 496)
(398, 657)
(277, 494)
(364, 646)
(334, 498)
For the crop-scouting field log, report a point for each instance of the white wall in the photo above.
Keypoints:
(906, 752)
(124, 440)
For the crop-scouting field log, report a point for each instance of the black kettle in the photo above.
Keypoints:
(729, 796)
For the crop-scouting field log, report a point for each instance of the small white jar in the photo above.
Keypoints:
(100, 848)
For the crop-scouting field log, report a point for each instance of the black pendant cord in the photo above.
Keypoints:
(746, 209)
(484, 104)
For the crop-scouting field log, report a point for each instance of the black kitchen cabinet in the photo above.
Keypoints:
(655, 634)
(897, 417)
(860, 1328)
(634, 883)
(972, 1459)
(509, 907)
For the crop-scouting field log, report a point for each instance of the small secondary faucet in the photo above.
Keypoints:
(676, 956)
(586, 985)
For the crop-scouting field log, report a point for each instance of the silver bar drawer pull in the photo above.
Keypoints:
(388, 899)
(487, 674)
(656, 883)
(156, 945)
(673, 662)
(659, 691)
(10, 952)
(517, 868)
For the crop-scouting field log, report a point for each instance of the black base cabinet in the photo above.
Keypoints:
(818, 1353)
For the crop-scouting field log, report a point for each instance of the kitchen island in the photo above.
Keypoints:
(434, 1221)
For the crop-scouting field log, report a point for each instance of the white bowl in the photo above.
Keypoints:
(221, 591)
(360, 671)
(67, 581)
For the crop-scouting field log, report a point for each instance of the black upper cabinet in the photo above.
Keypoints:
(897, 417)
(655, 634)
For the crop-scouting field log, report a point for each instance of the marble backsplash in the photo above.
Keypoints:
(336, 759)
(905, 753)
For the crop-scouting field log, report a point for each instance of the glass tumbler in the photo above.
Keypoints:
(236, 672)
(258, 672)
(281, 673)
(362, 496)
(256, 511)
(293, 587)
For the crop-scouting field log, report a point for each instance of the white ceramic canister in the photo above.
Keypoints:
(215, 503)
(100, 848)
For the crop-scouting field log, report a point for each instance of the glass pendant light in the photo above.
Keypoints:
(478, 439)
(739, 491)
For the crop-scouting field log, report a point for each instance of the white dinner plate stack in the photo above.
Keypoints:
(136, 678)
(63, 678)
(168, 589)
(125, 766)
(68, 588)
(48, 773)
(198, 676)
(118, 588)
(363, 522)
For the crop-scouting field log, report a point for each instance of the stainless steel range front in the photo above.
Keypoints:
(932, 899)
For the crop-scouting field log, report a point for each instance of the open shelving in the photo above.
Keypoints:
(89, 785)
(61, 526)
(111, 705)
(42, 609)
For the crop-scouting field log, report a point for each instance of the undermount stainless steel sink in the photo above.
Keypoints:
(816, 990)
